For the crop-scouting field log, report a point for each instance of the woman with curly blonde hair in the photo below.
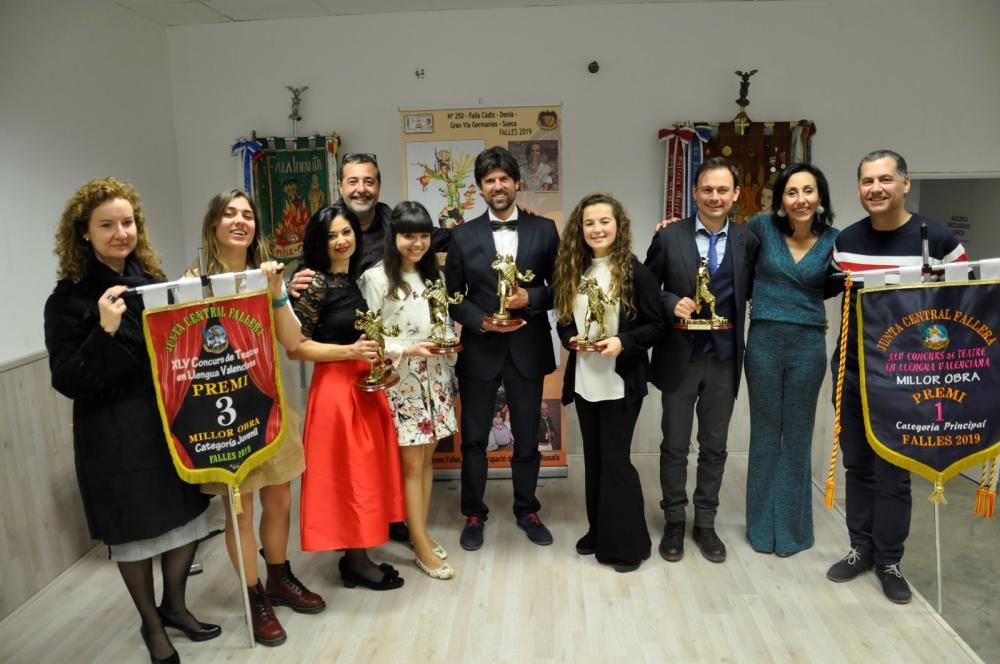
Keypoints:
(607, 380)
(132, 497)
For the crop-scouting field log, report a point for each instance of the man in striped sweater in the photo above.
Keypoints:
(878, 493)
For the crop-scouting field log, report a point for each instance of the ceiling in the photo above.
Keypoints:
(197, 12)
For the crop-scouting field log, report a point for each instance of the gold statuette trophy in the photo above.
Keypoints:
(596, 301)
(437, 301)
(702, 296)
(381, 376)
(507, 280)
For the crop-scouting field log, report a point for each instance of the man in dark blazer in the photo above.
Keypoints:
(520, 357)
(700, 371)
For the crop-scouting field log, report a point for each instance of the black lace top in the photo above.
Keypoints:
(327, 308)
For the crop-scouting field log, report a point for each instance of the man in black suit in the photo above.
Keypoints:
(700, 368)
(520, 357)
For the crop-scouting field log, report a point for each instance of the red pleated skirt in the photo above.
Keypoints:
(352, 488)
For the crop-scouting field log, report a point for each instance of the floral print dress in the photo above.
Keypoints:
(422, 403)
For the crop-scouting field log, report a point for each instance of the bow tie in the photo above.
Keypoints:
(500, 225)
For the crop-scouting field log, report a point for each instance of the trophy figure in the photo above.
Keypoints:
(596, 300)
(507, 279)
(437, 301)
(702, 296)
(381, 376)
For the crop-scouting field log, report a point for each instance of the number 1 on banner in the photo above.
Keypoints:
(940, 414)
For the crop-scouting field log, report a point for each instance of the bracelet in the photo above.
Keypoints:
(280, 302)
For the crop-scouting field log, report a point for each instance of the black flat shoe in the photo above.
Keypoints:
(390, 577)
(171, 659)
(205, 631)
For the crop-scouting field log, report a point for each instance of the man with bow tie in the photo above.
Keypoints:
(519, 356)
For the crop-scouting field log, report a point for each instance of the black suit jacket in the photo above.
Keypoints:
(673, 258)
(467, 270)
(636, 334)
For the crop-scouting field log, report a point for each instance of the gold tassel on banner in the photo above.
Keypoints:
(237, 501)
(831, 484)
(937, 495)
(986, 495)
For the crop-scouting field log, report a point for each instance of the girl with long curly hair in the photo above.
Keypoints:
(607, 378)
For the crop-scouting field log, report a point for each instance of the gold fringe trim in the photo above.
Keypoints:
(937, 495)
(831, 484)
(237, 501)
(986, 496)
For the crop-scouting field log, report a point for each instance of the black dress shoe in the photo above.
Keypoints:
(390, 577)
(170, 659)
(472, 534)
(399, 532)
(585, 546)
(708, 541)
(626, 567)
(535, 529)
(205, 631)
(672, 543)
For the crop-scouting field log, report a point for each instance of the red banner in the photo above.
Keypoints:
(218, 385)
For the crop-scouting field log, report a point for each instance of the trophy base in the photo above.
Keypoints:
(506, 321)
(585, 346)
(389, 378)
(448, 347)
(704, 324)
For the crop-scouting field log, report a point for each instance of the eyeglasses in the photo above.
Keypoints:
(359, 158)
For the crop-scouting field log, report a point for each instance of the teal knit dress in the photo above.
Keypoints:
(785, 365)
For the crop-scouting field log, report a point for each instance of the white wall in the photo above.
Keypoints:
(84, 93)
(977, 199)
(915, 76)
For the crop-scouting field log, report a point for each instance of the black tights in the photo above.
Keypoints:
(138, 577)
(359, 562)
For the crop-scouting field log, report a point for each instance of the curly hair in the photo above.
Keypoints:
(76, 256)
(574, 257)
(214, 262)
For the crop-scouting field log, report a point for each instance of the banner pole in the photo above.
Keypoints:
(243, 571)
(937, 543)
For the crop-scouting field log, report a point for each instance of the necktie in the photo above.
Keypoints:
(713, 256)
(500, 225)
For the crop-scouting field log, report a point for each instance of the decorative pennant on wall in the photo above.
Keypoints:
(291, 178)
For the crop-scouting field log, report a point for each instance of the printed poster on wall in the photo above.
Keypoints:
(930, 375)
(218, 385)
(439, 149)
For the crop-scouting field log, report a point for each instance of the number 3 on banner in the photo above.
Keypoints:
(227, 414)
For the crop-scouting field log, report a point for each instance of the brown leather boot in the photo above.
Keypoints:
(267, 631)
(283, 589)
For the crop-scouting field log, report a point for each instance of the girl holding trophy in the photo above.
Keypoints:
(402, 289)
(606, 377)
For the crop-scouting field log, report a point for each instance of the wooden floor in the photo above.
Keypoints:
(516, 602)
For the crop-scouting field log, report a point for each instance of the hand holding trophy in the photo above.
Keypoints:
(508, 277)
(381, 376)
(597, 299)
(702, 296)
(437, 301)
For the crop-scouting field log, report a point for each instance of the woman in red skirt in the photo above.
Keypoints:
(352, 486)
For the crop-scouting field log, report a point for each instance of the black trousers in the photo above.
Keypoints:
(879, 502)
(524, 398)
(612, 489)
